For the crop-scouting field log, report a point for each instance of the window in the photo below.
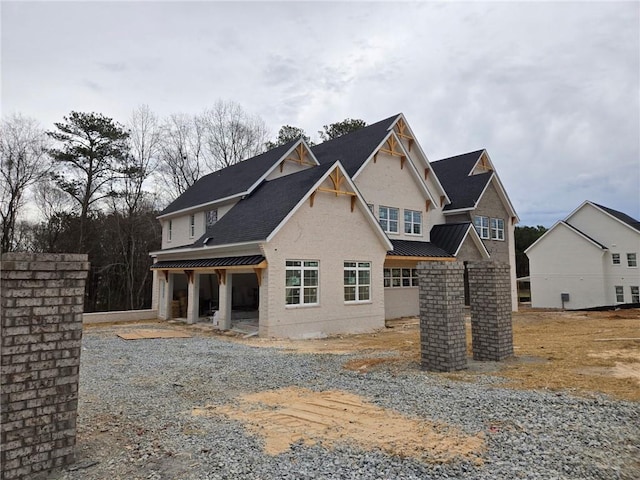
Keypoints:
(170, 231)
(635, 294)
(619, 294)
(389, 219)
(412, 222)
(482, 226)
(357, 281)
(615, 258)
(192, 226)
(400, 277)
(632, 260)
(212, 217)
(301, 284)
(497, 229)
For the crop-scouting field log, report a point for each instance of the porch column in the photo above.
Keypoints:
(193, 297)
(224, 301)
(165, 310)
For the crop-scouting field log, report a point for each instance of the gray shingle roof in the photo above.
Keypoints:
(449, 236)
(354, 148)
(210, 262)
(623, 217)
(228, 181)
(256, 216)
(408, 248)
(464, 190)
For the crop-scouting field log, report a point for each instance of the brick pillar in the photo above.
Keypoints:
(442, 332)
(490, 295)
(42, 299)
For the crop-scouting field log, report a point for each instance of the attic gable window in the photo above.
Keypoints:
(412, 222)
(192, 226)
(170, 231)
(212, 217)
(482, 226)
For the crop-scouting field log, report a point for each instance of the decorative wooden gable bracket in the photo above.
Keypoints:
(442, 198)
(189, 274)
(337, 178)
(427, 205)
(390, 148)
(222, 276)
(258, 275)
(483, 164)
(403, 132)
(300, 156)
(426, 173)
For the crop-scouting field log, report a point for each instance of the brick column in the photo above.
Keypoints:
(442, 332)
(42, 299)
(491, 324)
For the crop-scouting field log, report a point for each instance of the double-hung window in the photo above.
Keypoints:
(301, 284)
(632, 260)
(497, 229)
(192, 226)
(170, 231)
(619, 294)
(482, 226)
(357, 281)
(388, 217)
(615, 258)
(635, 294)
(412, 222)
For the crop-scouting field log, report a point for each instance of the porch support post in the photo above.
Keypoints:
(224, 302)
(193, 297)
(165, 311)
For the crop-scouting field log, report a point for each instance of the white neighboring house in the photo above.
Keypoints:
(592, 255)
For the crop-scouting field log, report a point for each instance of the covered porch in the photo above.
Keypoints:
(224, 291)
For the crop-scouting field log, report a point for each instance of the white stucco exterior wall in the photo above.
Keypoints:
(565, 262)
(331, 234)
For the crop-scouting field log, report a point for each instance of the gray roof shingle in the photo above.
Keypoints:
(228, 181)
(464, 190)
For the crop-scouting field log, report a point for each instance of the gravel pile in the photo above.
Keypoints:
(136, 399)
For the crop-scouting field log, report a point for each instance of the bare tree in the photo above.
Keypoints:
(231, 134)
(24, 162)
(180, 153)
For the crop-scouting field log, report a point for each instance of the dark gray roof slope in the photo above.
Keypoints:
(623, 217)
(407, 248)
(449, 236)
(464, 190)
(210, 262)
(256, 216)
(228, 181)
(353, 148)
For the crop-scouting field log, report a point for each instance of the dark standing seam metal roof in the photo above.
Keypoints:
(408, 248)
(623, 217)
(228, 181)
(353, 148)
(256, 216)
(211, 262)
(463, 189)
(449, 236)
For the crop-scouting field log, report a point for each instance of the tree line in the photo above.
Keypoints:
(93, 185)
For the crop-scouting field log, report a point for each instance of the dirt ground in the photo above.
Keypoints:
(581, 352)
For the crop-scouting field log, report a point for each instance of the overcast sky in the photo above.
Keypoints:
(551, 90)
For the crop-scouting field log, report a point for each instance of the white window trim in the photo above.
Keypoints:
(496, 231)
(413, 277)
(635, 259)
(169, 230)
(357, 285)
(388, 220)
(302, 269)
(412, 222)
(635, 297)
(613, 257)
(192, 225)
(482, 228)
(616, 289)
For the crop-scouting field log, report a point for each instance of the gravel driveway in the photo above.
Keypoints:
(136, 418)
